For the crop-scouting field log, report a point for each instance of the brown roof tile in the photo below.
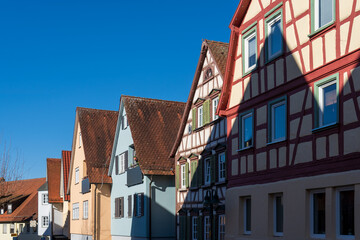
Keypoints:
(66, 158)
(219, 50)
(53, 176)
(97, 132)
(154, 125)
(23, 193)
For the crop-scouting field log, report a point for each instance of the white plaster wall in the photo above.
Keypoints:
(43, 210)
(58, 219)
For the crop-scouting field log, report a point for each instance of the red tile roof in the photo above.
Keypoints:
(23, 194)
(219, 51)
(53, 177)
(153, 125)
(66, 158)
(97, 133)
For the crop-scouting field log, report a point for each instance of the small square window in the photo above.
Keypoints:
(9, 208)
(249, 51)
(200, 117)
(246, 130)
(323, 13)
(277, 123)
(317, 210)
(274, 40)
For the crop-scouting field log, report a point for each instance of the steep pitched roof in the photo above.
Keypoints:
(66, 158)
(23, 194)
(53, 177)
(97, 133)
(219, 51)
(153, 125)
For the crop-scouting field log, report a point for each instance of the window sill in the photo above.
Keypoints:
(276, 141)
(244, 149)
(220, 182)
(324, 128)
(182, 189)
(249, 71)
(322, 30)
(193, 188)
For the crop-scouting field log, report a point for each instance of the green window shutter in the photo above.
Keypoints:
(206, 109)
(200, 171)
(188, 227)
(193, 126)
(200, 228)
(187, 174)
(183, 227)
(194, 173)
(213, 168)
(177, 176)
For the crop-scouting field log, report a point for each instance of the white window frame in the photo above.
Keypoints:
(183, 176)
(12, 228)
(269, 25)
(80, 140)
(85, 209)
(194, 233)
(273, 121)
(121, 163)
(242, 119)
(75, 211)
(246, 53)
(125, 123)
(207, 226)
(316, 16)
(312, 193)
(277, 234)
(45, 198)
(343, 189)
(44, 221)
(9, 208)
(221, 227)
(200, 115)
(215, 103)
(321, 102)
(2, 211)
(5, 228)
(207, 169)
(77, 177)
(222, 167)
(245, 214)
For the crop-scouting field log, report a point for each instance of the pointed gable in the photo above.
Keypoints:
(154, 125)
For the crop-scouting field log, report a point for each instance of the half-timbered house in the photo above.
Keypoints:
(199, 151)
(291, 98)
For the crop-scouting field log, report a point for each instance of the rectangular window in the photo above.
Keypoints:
(246, 126)
(195, 228)
(277, 121)
(4, 228)
(85, 209)
(45, 198)
(221, 227)
(215, 103)
(222, 166)
(121, 163)
(12, 228)
(326, 94)
(247, 215)
(9, 208)
(278, 215)
(317, 213)
(345, 213)
(183, 176)
(274, 39)
(45, 221)
(207, 170)
(75, 211)
(119, 207)
(77, 171)
(200, 117)
(80, 140)
(207, 227)
(323, 13)
(249, 51)
(21, 228)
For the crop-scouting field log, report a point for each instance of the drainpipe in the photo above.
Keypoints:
(151, 181)
(95, 212)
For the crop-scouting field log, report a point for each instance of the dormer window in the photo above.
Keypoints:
(1, 211)
(9, 208)
(208, 74)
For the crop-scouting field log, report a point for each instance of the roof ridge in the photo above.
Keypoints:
(207, 40)
(94, 109)
(152, 99)
(23, 180)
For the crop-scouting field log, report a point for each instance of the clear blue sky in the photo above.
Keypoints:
(56, 55)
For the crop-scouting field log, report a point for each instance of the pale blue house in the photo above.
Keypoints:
(143, 185)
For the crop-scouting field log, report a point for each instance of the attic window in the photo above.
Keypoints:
(9, 208)
(2, 211)
(80, 140)
(208, 74)
(125, 123)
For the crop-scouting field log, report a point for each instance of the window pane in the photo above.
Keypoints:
(279, 214)
(248, 215)
(325, 12)
(247, 131)
(329, 104)
(319, 213)
(275, 38)
(347, 213)
(251, 51)
(279, 121)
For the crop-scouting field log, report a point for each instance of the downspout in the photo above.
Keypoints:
(151, 181)
(95, 212)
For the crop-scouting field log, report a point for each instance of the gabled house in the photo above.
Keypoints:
(143, 189)
(19, 209)
(291, 99)
(88, 185)
(199, 151)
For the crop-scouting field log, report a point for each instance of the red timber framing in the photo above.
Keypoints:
(199, 152)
